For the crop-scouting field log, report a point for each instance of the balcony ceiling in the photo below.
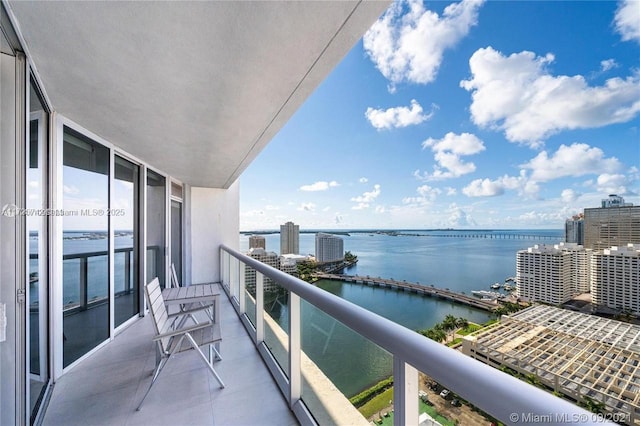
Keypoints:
(195, 89)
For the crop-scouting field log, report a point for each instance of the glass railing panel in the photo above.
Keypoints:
(440, 404)
(97, 278)
(338, 364)
(119, 274)
(249, 293)
(71, 283)
(276, 322)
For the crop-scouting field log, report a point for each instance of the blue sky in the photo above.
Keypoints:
(498, 114)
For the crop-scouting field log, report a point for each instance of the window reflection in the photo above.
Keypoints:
(37, 259)
(156, 226)
(85, 245)
(125, 224)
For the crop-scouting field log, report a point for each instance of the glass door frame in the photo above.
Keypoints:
(167, 224)
(141, 252)
(56, 232)
(178, 199)
(58, 123)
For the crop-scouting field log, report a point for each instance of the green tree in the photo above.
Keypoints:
(592, 405)
(462, 322)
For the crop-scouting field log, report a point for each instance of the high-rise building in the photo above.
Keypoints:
(615, 224)
(614, 201)
(289, 238)
(574, 229)
(329, 248)
(257, 241)
(615, 278)
(552, 274)
(268, 257)
(289, 263)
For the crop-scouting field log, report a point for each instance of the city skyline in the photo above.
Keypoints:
(462, 115)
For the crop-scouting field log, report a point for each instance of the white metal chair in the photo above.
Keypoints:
(171, 341)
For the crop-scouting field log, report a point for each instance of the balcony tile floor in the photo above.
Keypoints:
(106, 388)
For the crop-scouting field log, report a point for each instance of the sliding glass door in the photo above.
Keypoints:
(37, 259)
(86, 170)
(156, 226)
(125, 215)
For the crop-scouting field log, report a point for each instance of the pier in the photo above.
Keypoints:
(430, 291)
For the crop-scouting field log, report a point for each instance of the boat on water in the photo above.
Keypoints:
(487, 294)
(510, 279)
(507, 287)
(495, 286)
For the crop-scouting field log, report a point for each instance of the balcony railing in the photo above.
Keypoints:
(98, 260)
(496, 393)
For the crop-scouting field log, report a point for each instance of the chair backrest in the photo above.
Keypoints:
(158, 310)
(174, 277)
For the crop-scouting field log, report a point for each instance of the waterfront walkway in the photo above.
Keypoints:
(414, 288)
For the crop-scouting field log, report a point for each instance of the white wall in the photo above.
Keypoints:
(215, 220)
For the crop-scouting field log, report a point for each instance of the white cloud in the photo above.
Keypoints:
(527, 188)
(483, 188)
(426, 193)
(608, 64)
(319, 186)
(408, 41)
(577, 159)
(338, 219)
(363, 180)
(398, 116)
(517, 94)
(451, 191)
(366, 198)
(612, 183)
(448, 151)
(627, 20)
(380, 209)
(459, 218)
(569, 195)
(326, 209)
(70, 190)
(307, 207)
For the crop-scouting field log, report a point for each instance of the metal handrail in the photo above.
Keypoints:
(84, 303)
(498, 394)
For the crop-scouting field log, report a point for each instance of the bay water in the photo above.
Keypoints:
(461, 261)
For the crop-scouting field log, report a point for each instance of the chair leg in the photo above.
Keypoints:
(156, 373)
(214, 354)
(204, 358)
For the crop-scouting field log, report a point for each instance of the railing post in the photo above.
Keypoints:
(221, 262)
(295, 377)
(224, 265)
(242, 301)
(127, 270)
(83, 283)
(405, 393)
(233, 281)
(259, 308)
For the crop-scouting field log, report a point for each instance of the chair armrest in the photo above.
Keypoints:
(198, 309)
(183, 330)
(189, 311)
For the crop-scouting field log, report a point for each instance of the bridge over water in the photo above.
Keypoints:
(414, 288)
(487, 235)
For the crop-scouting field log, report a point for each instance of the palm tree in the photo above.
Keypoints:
(462, 322)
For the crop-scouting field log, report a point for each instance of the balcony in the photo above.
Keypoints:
(107, 387)
(261, 356)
